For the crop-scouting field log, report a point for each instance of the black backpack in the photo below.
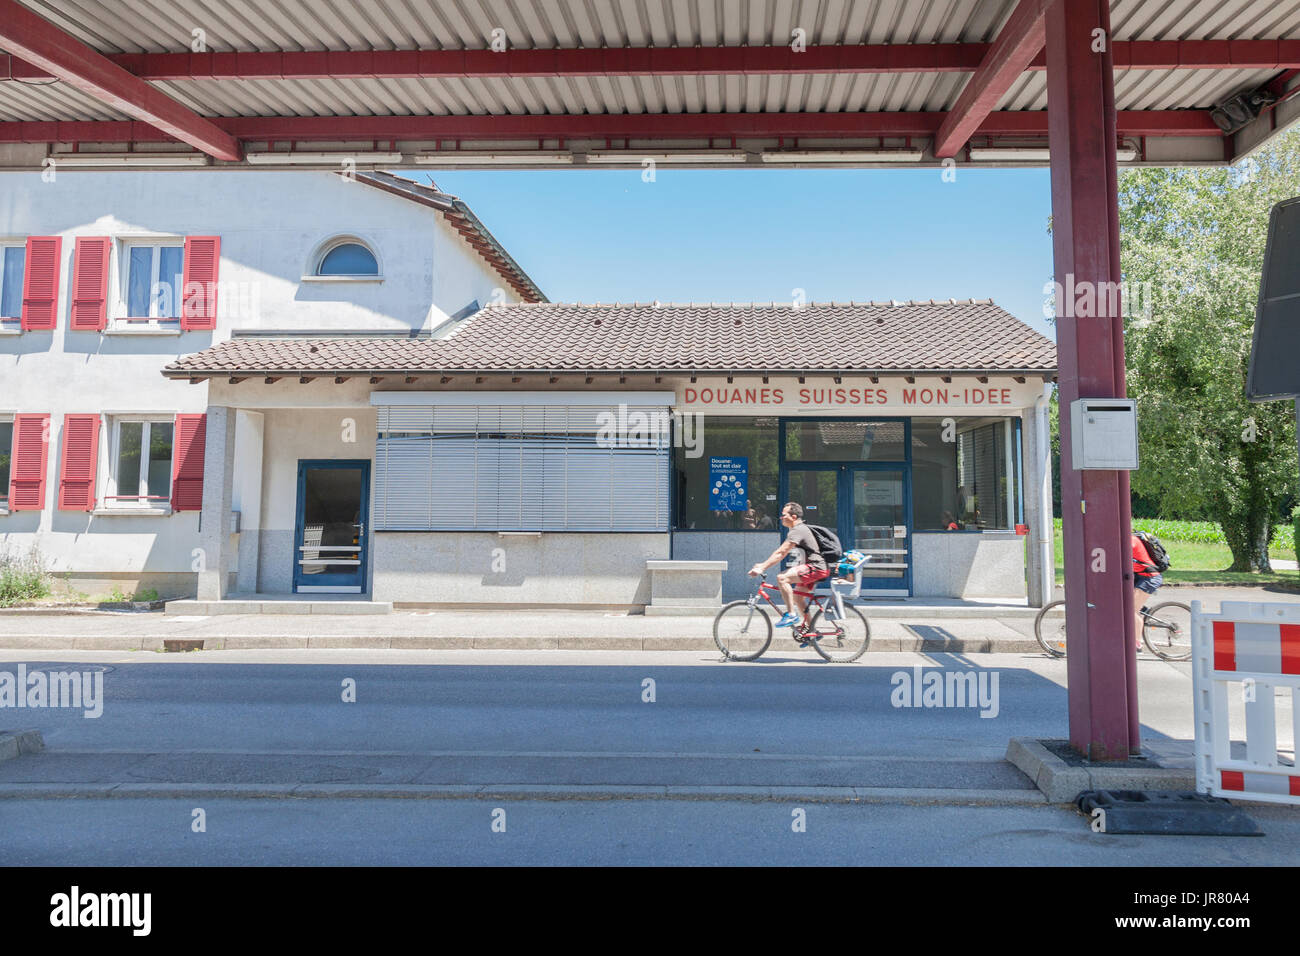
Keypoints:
(1155, 550)
(828, 544)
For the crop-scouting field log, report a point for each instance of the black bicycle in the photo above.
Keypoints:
(1166, 630)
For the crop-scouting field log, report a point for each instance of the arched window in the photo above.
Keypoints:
(347, 257)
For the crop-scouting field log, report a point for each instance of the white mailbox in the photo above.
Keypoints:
(1103, 434)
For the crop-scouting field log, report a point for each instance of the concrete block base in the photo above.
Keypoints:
(685, 587)
(1061, 781)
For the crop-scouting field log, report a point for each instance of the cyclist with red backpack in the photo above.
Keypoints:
(809, 566)
(1149, 559)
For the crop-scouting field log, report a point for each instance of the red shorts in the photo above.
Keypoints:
(807, 575)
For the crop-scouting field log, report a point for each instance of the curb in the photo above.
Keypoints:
(1061, 782)
(324, 609)
(245, 642)
(16, 742)
(864, 795)
(60, 611)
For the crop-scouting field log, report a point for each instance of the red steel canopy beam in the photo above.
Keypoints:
(42, 44)
(1199, 55)
(1027, 123)
(1019, 41)
(663, 61)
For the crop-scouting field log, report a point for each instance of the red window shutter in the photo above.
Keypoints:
(90, 284)
(80, 462)
(41, 282)
(199, 305)
(187, 462)
(27, 464)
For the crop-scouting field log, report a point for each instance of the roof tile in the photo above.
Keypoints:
(930, 336)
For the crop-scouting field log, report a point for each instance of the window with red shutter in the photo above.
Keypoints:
(199, 305)
(80, 463)
(41, 283)
(90, 284)
(187, 462)
(153, 276)
(27, 468)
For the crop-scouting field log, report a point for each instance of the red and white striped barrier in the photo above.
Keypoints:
(1257, 647)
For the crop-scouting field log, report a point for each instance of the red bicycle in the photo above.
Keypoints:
(837, 631)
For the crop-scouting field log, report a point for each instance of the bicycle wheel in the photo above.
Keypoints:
(1167, 631)
(742, 632)
(851, 638)
(1049, 628)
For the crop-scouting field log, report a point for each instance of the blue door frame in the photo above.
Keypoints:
(844, 489)
(343, 582)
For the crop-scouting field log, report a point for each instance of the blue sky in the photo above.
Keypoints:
(755, 235)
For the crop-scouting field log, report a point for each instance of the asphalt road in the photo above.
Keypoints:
(658, 832)
(549, 701)
(192, 724)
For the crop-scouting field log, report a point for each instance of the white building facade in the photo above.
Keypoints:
(244, 383)
(108, 277)
(553, 454)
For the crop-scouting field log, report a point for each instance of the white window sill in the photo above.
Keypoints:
(3, 511)
(142, 330)
(138, 512)
(342, 279)
(10, 330)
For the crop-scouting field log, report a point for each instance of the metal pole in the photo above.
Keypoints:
(1095, 509)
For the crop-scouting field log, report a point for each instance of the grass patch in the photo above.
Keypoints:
(1195, 560)
(22, 578)
(118, 596)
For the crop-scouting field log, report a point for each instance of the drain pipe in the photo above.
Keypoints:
(1046, 568)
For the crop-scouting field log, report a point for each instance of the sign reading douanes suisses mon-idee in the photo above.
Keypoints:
(924, 396)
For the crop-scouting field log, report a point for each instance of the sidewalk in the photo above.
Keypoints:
(955, 629)
(935, 625)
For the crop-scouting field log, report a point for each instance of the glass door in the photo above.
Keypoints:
(330, 534)
(817, 488)
(878, 526)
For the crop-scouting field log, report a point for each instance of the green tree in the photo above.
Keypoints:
(1192, 245)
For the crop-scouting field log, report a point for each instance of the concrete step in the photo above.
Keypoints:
(276, 605)
(517, 774)
(703, 643)
(294, 604)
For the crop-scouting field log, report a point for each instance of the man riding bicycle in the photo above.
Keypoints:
(809, 566)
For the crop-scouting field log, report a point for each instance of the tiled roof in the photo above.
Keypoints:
(461, 218)
(953, 336)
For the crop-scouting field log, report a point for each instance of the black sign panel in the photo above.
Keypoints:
(1275, 354)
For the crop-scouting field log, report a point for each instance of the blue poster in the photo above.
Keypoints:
(728, 484)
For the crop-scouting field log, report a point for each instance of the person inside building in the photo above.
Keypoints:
(809, 566)
(755, 519)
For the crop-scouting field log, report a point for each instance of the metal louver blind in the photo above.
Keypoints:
(981, 452)
(522, 468)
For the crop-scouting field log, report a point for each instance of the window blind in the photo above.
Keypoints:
(522, 468)
(981, 464)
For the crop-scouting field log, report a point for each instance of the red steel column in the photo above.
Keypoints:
(1090, 353)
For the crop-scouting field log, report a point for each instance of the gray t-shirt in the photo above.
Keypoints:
(805, 547)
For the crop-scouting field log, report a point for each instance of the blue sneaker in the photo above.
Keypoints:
(787, 619)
